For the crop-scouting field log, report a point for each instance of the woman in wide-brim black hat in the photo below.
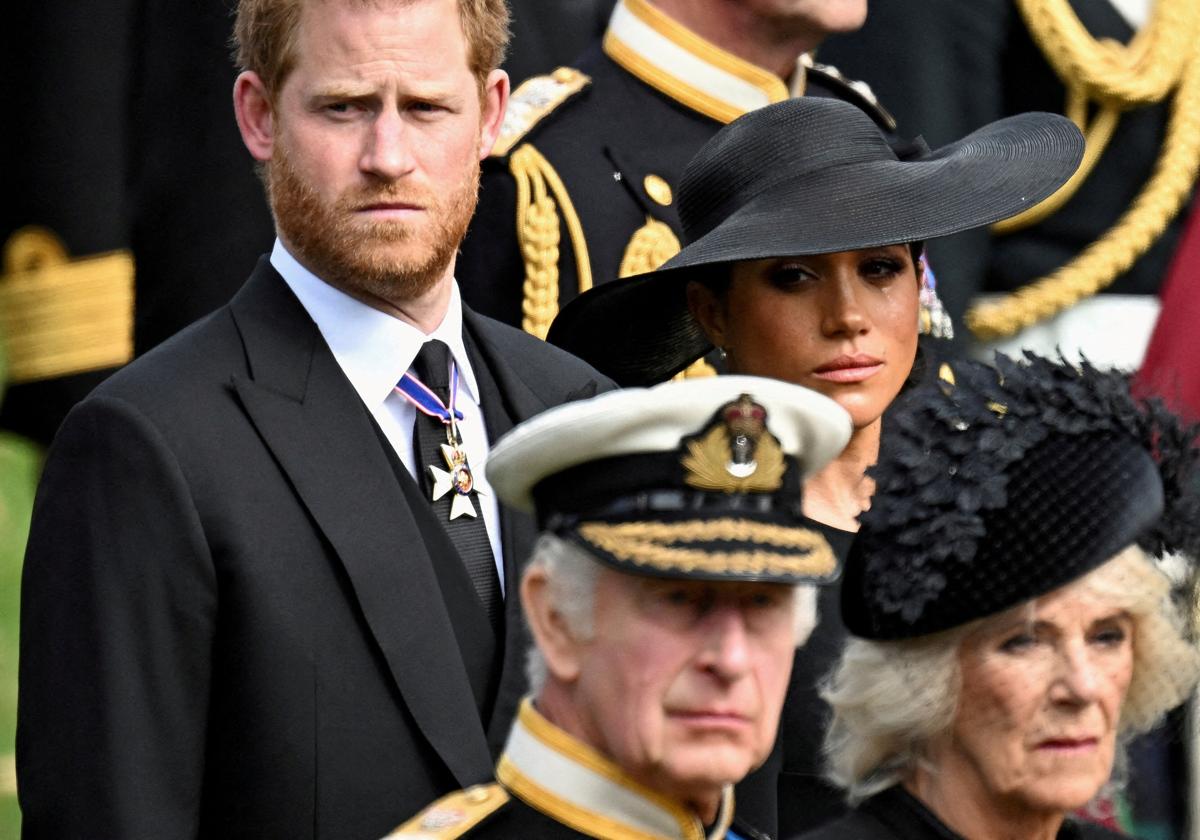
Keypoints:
(804, 231)
(1013, 628)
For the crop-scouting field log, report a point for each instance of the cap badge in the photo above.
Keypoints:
(735, 453)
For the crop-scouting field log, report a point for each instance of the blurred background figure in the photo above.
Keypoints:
(1085, 269)
(125, 154)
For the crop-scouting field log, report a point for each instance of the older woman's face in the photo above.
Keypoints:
(843, 324)
(1042, 689)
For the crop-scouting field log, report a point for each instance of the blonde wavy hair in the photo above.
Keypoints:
(890, 699)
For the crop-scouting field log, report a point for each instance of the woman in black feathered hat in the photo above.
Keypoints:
(1013, 628)
(803, 231)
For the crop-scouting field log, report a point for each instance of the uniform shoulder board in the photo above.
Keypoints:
(454, 814)
(533, 99)
(859, 93)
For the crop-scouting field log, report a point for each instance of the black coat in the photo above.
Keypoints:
(240, 617)
(894, 814)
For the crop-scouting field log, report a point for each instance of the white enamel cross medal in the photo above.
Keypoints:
(457, 478)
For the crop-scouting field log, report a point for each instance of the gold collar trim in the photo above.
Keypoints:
(569, 781)
(679, 63)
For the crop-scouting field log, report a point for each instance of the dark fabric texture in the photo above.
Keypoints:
(895, 814)
(236, 621)
(469, 533)
(806, 799)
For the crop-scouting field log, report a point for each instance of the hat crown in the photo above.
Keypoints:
(770, 146)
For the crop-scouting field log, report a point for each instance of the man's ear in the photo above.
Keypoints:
(255, 115)
(708, 311)
(559, 646)
(492, 106)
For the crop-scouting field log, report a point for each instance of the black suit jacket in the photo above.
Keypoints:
(236, 621)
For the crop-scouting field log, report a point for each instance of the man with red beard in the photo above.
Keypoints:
(264, 593)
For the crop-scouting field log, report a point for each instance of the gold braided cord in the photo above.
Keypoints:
(1142, 73)
(664, 546)
(650, 246)
(1098, 265)
(539, 234)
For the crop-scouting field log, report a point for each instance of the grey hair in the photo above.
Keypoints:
(571, 573)
(891, 699)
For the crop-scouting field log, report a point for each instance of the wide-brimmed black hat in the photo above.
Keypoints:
(700, 479)
(809, 176)
(996, 485)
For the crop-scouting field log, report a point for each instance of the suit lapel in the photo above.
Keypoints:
(310, 417)
(510, 402)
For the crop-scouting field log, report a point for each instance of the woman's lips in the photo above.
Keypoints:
(846, 369)
(1068, 745)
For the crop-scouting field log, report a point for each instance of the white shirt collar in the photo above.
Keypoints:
(373, 349)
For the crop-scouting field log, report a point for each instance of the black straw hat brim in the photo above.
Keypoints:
(638, 330)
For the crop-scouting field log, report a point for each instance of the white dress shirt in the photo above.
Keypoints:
(374, 350)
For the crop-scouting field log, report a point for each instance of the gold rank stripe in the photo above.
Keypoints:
(658, 546)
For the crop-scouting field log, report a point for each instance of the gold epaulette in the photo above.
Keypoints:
(851, 90)
(60, 316)
(533, 99)
(454, 814)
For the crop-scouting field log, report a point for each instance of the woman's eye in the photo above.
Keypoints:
(1110, 636)
(1018, 643)
(881, 269)
(787, 276)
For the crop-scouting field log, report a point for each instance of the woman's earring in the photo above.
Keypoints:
(721, 354)
(932, 317)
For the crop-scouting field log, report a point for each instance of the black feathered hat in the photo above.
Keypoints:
(809, 176)
(996, 485)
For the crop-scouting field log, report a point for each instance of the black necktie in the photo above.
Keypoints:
(469, 533)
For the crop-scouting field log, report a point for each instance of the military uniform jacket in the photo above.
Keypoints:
(552, 786)
(580, 188)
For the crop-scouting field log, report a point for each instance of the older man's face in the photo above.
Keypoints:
(682, 682)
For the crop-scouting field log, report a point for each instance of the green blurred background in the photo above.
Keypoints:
(20, 462)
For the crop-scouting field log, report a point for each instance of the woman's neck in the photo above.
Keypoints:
(841, 491)
(972, 813)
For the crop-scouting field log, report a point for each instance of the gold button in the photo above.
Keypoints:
(658, 189)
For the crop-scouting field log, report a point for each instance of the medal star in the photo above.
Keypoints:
(443, 483)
